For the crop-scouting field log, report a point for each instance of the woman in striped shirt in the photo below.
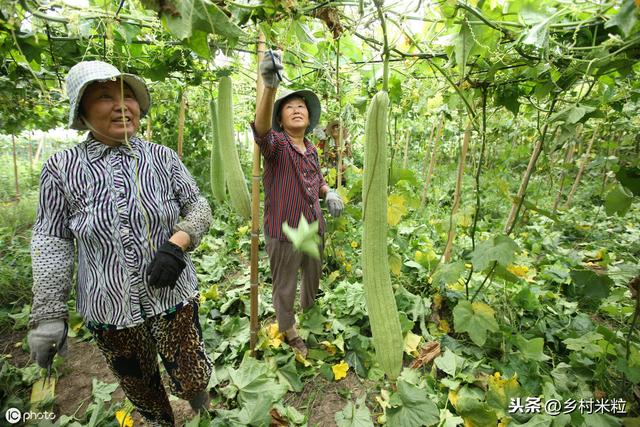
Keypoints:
(130, 212)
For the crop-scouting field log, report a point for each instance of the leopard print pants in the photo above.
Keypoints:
(132, 355)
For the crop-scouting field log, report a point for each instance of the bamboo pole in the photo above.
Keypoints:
(571, 148)
(405, 157)
(149, 129)
(427, 153)
(36, 158)
(339, 140)
(181, 114)
(30, 150)
(255, 213)
(458, 192)
(519, 199)
(583, 164)
(432, 163)
(15, 167)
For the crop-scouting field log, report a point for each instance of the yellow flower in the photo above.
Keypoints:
(354, 244)
(340, 370)
(347, 267)
(124, 419)
(518, 270)
(437, 301)
(329, 347)
(443, 326)
(275, 337)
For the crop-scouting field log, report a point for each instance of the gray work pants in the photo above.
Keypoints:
(285, 263)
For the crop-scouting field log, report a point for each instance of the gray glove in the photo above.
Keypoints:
(334, 203)
(270, 67)
(46, 339)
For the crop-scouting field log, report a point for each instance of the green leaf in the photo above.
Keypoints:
(538, 35)
(618, 201)
(590, 286)
(573, 114)
(448, 273)
(102, 391)
(507, 96)
(449, 362)
(629, 177)
(532, 349)
(475, 318)
(313, 320)
(472, 409)
(357, 415)
(414, 409)
(254, 383)
(625, 19)
(199, 44)
(501, 249)
(305, 238)
(501, 391)
(586, 343)
(303, 33)
(464, 42)
(201, 15)
(289, 373)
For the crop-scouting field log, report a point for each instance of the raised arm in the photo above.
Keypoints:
(264, 111)
(270, 68)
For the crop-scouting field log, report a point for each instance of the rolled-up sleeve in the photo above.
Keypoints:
(194, 208)
(52, 250)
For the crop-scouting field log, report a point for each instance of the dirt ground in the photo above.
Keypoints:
(319, 400)
(73, 388)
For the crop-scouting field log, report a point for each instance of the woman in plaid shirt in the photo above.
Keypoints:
(293, 186)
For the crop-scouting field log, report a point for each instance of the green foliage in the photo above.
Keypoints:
(305, 238)
(556, 311)
(409, 406)
(475, 318)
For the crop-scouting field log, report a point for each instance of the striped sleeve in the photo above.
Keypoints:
(53, 209)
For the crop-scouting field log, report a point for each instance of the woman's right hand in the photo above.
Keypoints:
(46, 339)
(270, 67)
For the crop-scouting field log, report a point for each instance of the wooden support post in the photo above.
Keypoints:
(181, 114)
(255, 214)
(456, 198)
(583, 164)
(15, 167)
(432, 163)
(339, 140)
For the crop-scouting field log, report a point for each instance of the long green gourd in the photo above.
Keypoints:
(381, 303)
(216, 167)
(236, 184)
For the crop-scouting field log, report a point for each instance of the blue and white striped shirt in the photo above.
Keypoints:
(118, 204)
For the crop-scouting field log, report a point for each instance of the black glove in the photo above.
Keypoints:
(166, 267)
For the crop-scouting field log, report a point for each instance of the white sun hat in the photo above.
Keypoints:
(84, 73)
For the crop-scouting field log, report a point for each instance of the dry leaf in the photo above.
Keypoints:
(429, 351)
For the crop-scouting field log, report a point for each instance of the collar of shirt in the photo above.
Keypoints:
(307, 143)
(96, 149)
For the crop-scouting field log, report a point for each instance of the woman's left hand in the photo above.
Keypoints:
(334, 203)
(166, 267)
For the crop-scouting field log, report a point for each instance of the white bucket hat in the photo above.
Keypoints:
(84, 73)
(310, 99)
